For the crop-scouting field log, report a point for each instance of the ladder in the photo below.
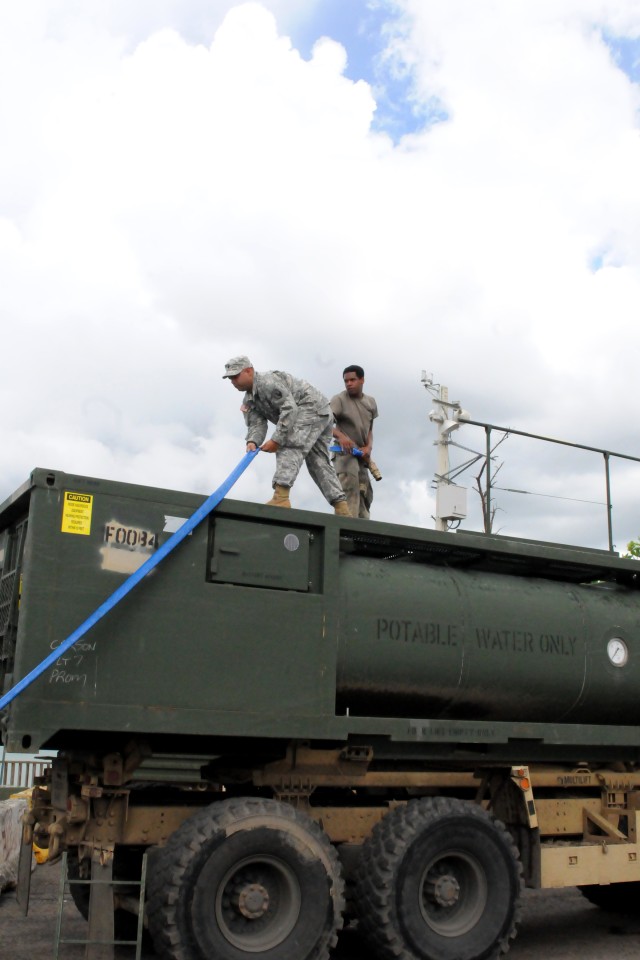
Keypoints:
(100, 942)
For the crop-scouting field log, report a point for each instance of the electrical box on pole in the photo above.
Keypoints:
(451, 502)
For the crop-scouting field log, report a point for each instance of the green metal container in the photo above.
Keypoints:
(270, 624)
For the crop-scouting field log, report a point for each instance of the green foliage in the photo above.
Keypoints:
(633, 549)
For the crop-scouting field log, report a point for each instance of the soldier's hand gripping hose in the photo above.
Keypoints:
(357, 452)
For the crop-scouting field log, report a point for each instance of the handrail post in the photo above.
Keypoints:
(609, 504)
(487, 515)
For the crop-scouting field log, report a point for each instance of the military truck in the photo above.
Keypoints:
(306, 720)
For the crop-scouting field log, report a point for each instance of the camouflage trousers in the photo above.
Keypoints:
(355, 480)
(309, 443)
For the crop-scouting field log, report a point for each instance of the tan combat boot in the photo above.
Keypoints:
(280, 497)
(341, 509)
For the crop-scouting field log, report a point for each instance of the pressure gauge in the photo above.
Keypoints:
(617, 651)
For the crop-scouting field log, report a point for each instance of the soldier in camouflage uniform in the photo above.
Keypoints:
(303, 420)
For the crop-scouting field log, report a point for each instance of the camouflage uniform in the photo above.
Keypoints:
(354, 416)
(303, 428)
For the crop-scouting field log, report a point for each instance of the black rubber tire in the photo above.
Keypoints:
(614, 897)
(246, 878)
(127, 865)
(438, 878)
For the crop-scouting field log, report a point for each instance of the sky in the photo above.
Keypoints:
(448, 186)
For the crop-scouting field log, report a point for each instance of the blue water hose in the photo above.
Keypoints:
(134, 579)
(336, 448)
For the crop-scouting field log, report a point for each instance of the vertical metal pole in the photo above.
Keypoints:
(101, 944)
(609, 505)
(443, 451)
(143, 888)
(487, 514)
(58, 930)
(25, 858)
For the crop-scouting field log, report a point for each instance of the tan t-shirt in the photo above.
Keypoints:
(354, 417)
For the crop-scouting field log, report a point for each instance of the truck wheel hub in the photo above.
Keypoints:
(443, 890)
(253, 901)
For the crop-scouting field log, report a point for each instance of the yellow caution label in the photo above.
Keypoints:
(76, 513)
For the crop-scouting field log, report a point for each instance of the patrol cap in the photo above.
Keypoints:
(236, 365)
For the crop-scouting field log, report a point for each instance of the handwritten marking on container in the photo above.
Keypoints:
(67, 667)
(58, 675)
(76, 513)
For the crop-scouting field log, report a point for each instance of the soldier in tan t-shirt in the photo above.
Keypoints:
(354, 413)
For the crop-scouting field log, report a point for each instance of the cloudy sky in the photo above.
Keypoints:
(441, 185)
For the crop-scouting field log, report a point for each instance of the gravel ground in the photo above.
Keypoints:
(556, 925)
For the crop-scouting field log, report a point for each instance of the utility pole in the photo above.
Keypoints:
(451, 499)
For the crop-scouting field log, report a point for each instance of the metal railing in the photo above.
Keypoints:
(606, 454)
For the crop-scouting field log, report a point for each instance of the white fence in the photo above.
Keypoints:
(20, 774)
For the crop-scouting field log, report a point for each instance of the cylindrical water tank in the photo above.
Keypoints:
(418, 640)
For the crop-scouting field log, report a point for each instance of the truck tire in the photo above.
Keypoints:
(246, 878)
(438, 878)
(614, 897)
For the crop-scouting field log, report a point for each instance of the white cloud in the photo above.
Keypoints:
(178, 185)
